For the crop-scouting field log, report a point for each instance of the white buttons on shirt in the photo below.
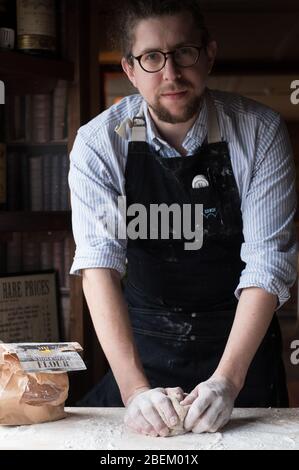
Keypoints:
(193, 338)
(200, 181)
(193, 315)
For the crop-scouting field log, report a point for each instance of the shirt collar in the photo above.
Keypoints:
(193, 139)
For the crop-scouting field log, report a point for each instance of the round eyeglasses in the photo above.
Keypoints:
(154, 61)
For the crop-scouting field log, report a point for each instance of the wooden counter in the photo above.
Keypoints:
(102, 428)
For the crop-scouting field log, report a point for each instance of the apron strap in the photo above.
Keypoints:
(139, 127)
(213, 125)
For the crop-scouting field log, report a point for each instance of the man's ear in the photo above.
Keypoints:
(129, 71)
(211, 54)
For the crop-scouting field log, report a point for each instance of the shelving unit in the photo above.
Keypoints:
(25, 74)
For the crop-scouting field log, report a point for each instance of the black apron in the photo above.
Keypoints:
(181, 302)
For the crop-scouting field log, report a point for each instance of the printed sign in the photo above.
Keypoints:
(28, 308)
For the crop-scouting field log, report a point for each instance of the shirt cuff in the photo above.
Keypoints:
(273, 286)
(82, 262)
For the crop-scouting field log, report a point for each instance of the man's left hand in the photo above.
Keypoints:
(211, 403)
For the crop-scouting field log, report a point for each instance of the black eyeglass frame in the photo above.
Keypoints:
(166, 54)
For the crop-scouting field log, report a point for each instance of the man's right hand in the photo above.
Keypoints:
(151, 411)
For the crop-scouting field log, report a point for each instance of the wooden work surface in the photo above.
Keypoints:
(102, 428)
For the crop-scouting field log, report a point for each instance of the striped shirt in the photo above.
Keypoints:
(262, 163)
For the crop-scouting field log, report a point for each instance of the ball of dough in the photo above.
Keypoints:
(181, 412)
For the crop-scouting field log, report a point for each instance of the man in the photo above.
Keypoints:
(200, 321)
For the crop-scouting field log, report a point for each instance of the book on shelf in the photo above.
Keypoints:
(37, 169)
(59, 111)
(28, 253)
(14, 262)
(38, 118)
(41, 118)
(47, 181)
(23, 253)
(46, 255)
(37, 182)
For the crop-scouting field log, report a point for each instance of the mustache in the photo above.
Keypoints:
(175, 88)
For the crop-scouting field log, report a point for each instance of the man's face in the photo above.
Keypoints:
(174, 93)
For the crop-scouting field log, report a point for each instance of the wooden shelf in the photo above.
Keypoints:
(38, 149)
(24, 73)
(35, 221)
(21, 65)
(60, 143)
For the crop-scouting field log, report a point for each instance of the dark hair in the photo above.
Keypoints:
(132, 11)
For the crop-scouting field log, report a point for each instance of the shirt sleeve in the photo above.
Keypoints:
(270, 247)
(96, 217)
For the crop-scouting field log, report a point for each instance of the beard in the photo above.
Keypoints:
(189, 110)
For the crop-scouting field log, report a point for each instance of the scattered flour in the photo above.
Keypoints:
(102, 428)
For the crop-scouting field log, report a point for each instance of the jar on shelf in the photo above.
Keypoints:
(36, 27)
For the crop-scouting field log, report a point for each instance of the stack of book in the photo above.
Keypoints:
(37, 160)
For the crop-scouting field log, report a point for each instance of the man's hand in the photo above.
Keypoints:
(151, 412)
(211, 403)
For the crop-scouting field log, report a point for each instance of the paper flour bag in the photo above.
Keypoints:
(34, 382)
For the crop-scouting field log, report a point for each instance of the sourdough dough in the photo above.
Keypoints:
(181, 411)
